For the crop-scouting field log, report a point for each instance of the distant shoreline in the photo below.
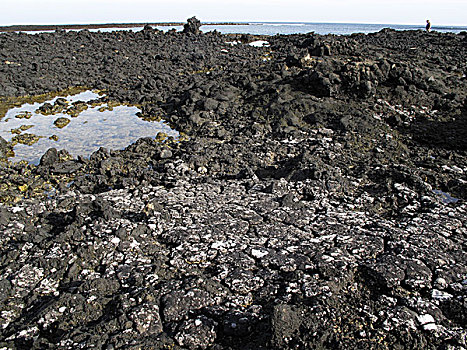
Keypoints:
(40, 27)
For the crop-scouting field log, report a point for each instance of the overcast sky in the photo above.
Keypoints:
(440, 12)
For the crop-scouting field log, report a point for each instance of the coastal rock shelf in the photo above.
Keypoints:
(219, 258)
(318, 200)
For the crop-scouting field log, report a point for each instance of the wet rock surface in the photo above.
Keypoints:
(319, 201)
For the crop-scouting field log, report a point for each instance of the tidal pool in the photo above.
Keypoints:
(446, 197)
(85, 130)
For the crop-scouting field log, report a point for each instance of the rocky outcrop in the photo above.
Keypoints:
(318, 201)
(192, 26)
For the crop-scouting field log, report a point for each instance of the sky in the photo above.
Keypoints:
(440, 12)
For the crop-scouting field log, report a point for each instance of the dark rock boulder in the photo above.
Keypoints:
(319, 84)
(192, 26)
(3, 148)
(67, 167)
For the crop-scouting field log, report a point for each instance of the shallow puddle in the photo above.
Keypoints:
(75, 124)
(446, 197)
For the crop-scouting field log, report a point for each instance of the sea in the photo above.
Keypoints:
(273, 28)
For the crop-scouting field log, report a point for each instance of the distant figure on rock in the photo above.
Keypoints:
(428, 25)
(192, 26)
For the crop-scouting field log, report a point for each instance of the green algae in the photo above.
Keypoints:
(161, 136)
(22, 128)
(24, 115)
(77, 108)
(61, 122)
(18, 182)
(25, 139)
(7, 103)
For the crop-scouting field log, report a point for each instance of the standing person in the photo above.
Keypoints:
(428, 25)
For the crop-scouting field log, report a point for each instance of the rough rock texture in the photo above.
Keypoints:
(318, 203)
(192, 26)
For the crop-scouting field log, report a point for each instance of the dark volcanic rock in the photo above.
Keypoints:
(192, 26)
(67, 167)
(50, 157)
(317, 200)
(3, 148)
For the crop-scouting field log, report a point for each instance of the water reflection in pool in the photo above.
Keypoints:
(446, 197)
(94, 127)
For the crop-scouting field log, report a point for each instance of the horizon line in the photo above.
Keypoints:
(232, 22)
